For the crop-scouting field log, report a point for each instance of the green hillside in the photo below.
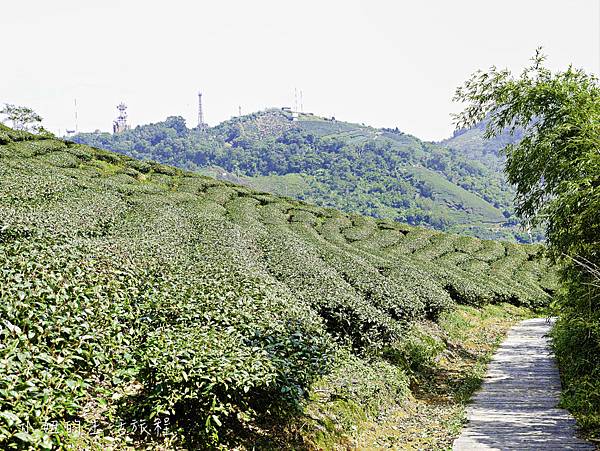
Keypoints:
(473, 144)
(382, 173)
(136, 293)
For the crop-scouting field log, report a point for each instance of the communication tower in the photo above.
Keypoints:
(120, 123)
(201, 123)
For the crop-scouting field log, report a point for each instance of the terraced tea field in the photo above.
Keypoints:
(135, 293)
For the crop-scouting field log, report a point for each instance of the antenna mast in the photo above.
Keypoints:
(120, 124)
(201, 123)
(76, 122)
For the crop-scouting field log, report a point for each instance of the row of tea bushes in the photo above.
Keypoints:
(132, 291)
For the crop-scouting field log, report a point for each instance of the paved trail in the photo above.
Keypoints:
(516, 406)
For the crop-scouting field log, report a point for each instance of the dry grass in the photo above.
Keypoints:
(432, 417)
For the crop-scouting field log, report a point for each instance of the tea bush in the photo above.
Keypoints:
(131, 291)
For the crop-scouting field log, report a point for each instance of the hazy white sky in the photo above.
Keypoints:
(382, 62)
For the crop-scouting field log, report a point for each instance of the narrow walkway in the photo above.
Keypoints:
(516, 405)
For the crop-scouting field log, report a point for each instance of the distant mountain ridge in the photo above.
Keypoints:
(473, 144)
(455, 185)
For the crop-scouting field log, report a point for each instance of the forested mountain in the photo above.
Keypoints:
(383, 173)
(135, 293)
(472, 144)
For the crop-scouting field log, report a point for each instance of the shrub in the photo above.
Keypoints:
(132, 291)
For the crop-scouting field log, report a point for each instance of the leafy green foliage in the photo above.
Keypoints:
(445, 363)
(133, 291)
(556, 170)
(473, 143)
(378, 172)
(22, 118)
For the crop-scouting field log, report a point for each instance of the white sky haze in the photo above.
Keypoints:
(391, 63)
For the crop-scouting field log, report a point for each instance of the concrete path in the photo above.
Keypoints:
(516, 405)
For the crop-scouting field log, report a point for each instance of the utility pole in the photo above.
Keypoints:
(295, 99)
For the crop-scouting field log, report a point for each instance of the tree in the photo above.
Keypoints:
(177, 123)
(556, 171)
(556, 165)
(22, 118)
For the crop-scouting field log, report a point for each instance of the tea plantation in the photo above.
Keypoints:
(141, 304)
(355, 168)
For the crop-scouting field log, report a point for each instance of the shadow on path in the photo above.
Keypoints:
(516, 407)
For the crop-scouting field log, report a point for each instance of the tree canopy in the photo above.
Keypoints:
(22, 118)
(382, 173)
(555, 167)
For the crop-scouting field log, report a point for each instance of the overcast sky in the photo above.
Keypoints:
(381, 62)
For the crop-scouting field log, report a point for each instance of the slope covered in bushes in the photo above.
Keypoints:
(134, 294)
(472, 143)
(382, 173)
